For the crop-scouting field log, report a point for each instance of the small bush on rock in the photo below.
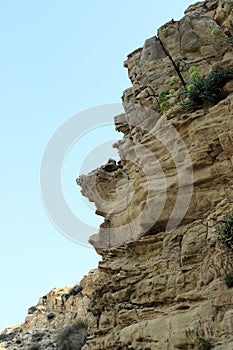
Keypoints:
(214, 31)
(208, 90)
(203, 344)
(73, 336)
(225, 231)
(230, 40)
(229, 280)
(76, 289)
(163, 103)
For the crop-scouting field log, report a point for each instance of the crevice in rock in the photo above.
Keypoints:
(173, 63)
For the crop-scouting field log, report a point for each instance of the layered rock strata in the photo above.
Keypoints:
(168, 153)
(162, 276)
(161, 282)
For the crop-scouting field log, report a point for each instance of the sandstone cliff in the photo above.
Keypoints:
(160, 284)
(162, 275)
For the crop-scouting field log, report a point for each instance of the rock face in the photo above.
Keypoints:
(161, 281)
(165, 291)
(59, 308)
(163, 157)
(162, 271)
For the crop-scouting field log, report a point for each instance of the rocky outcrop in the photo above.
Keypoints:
(165, 291)
(165, 158)
(161, 281)
(55, 311)
(162, 271)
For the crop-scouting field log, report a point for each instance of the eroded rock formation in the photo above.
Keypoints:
(160, 284)
(56, 310)
(161, 289)
(154, 147)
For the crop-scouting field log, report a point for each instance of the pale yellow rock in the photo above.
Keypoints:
(163, 290)
(158, 288)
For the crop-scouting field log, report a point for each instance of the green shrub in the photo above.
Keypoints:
(162, 96)
(172, 91)
(194, 73)
(174, 79)
(203, 344)
(229, 280)
(214, 31)
(163, 103)
(73, 336)
(230, 40)
(225, 231)
(164, 106)
(207, 90)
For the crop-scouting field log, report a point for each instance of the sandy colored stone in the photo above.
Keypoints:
(158, 288)
(64, 308)
(166, 290)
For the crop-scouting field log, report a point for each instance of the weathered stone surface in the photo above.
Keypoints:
(178, 46)
(207, 136)
(58, 308)
(165, 291)
(161, 290)
(160, 284)
(131, 198)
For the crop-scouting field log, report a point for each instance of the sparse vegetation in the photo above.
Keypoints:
(203, 344)
(174, 80)
(229, 280)
(230, 40)
(214, 31)
(172, 91)
(163, 103)
(198, 91)
(194, 73)
(76, 289)
(73, 336)
(225, 231)
(206, 90)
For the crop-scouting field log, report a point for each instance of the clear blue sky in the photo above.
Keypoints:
(57, 58)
